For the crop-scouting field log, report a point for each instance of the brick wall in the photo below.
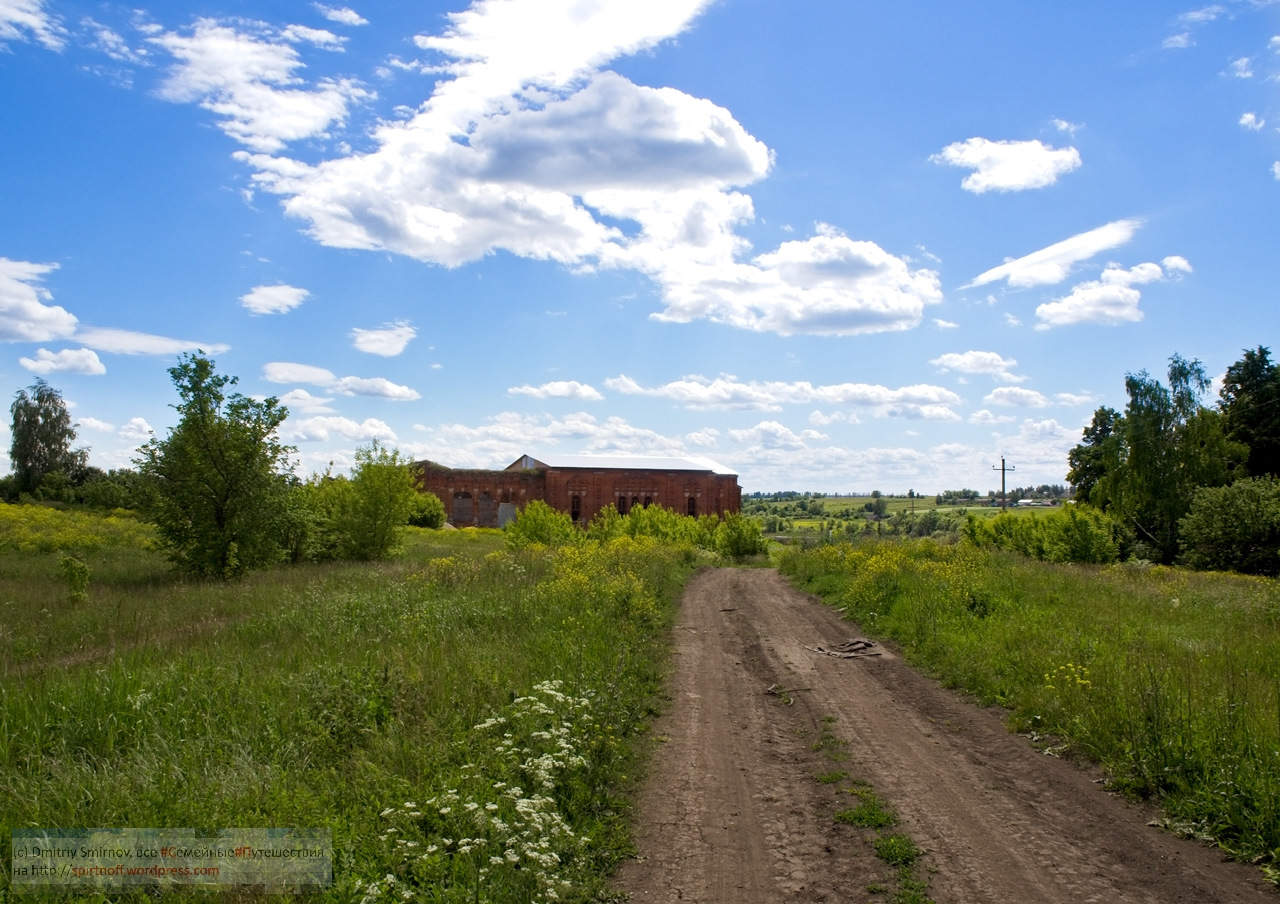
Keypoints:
(473, 497)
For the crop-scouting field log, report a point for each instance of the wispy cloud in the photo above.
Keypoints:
(1252, 122)
(1016, 397)
(1053, 264)
(1008, 165)
(128, 342)
(247, 76)
(21, 20)
(343, 15)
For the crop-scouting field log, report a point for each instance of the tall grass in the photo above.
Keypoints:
(1168, 678)
(462, 719)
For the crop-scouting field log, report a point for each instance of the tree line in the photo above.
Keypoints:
(1186, 481)
(220, 487)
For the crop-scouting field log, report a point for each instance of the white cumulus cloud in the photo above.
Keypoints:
(532, 147)
(1053, 264)
(137, 430)
(377, 387)
(986, 417)
(67, 361)
(388, 340)
(1242, 68)
(1252, 122)
(1008, 165)
(559, 389)
(21, 19)
(322, 428)
(277, 299)
(726, 393)
(247, 76)
(24, 316)
(772, 435)
(1016, 397)
(92, 423)
(1110, 299)
(300, 400)
(976, 362)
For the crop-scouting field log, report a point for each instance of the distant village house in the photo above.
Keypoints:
(580, 486)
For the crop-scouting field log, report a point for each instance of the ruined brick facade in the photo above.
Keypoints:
(580, 486)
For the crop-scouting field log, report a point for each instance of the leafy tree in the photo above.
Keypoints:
(377, 507)
(220, 478)
(1166, 446)
(1235, 528)
(1088, 460)
(42, 438)
(1250, 406)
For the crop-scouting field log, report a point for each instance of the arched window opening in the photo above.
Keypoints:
(635, 500)
(622, 505)
(693, 506)
(575, 508)
(648, 501)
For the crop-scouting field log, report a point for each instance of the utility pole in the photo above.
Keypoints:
(1002, 469)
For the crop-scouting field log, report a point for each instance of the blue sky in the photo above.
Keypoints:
(835, 246)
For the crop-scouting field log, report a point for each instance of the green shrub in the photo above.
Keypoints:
(538, 522)
(76, 574)
(1075, 533)
(739, 536)
(1235, 528)
(427, 511)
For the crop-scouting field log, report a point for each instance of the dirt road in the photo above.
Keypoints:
(732, 812)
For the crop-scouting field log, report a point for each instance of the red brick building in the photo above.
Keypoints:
(580, 486)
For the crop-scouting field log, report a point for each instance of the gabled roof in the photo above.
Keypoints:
(558, 461)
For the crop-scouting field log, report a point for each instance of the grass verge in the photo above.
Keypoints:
(1169, 679)
(463, 719)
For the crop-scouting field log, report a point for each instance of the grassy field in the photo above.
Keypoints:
(1170, 679)
(460, 718)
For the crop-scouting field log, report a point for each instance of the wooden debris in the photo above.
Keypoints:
(854, 647)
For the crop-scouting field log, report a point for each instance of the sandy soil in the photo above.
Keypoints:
(732, 812)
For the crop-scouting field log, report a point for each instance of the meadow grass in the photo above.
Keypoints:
(1170, 679)
(462, 718)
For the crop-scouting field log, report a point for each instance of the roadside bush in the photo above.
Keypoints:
(739, 536)
(1235, 528)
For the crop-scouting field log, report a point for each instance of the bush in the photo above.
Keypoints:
(427, 511)
(739, 536)
(1074, 534)
(377, 505)
(538, 522)
(1235, 528)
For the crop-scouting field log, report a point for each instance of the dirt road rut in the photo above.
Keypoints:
(732, 811)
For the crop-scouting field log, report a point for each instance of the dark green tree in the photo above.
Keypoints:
(42, 438)
(1250, 406)
(1165, 447)
(220, 480)
(1088, 460)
